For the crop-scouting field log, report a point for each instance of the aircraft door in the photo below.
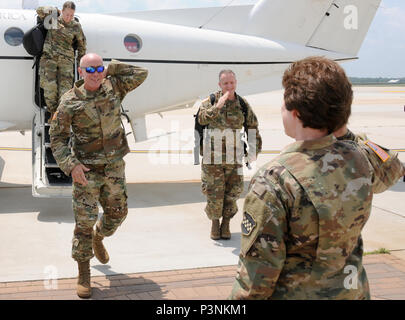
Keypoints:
(48, 180)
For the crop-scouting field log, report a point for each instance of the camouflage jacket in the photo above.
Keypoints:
(95, 119)
(302, 222)
(59, 41)
(230, 116)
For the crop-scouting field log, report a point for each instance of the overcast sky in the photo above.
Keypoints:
(381, 55)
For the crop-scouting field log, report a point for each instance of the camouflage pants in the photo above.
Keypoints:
(56, 78)
(222, 185)
(106, 184)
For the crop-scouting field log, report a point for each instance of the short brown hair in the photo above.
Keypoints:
(226, 71)
(69, 5)
(320, 91)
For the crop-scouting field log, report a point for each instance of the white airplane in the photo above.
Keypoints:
(184, 50)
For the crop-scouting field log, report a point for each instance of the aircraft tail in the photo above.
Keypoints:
(333, 25)
(344, 26)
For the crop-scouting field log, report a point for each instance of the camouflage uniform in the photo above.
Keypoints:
(98, 142)
(385, 168)
(222, 180)
(56, 68)
(302, 221)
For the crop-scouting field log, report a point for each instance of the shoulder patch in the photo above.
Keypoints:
(384, 156)
(248, 224)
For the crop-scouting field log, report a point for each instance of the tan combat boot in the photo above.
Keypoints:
(83, 284)
(99, 249)
(225, 230)
(215, 232)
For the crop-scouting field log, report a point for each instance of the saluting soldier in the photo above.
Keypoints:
(91, 110)
(305, 210)
(56, 68)
(222, 168)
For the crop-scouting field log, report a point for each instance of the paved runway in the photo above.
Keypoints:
(166, 228)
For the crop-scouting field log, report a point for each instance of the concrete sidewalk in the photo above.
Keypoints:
(386, 274)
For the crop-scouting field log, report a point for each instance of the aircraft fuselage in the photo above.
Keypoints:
(183, 62)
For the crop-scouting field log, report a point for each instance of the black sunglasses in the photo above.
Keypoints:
(99, 69)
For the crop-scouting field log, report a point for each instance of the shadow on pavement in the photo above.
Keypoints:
(122, 285)
(234, 242)
(148, 195)
(5, 185)
(19, 199)
(399, 187)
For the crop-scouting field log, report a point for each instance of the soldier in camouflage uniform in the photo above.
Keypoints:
(305, 210)
(222, 169)
(91, 109)
(56, 68)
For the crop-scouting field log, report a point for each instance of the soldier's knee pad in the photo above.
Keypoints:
(112, 219)
(116, 212)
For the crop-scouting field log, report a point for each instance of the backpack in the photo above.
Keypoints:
(199, 129)
(33, 39)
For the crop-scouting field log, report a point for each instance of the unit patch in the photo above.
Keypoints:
(248, 224)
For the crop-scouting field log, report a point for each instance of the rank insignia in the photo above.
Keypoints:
(248, 224)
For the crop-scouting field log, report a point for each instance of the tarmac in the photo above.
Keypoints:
(163, 249)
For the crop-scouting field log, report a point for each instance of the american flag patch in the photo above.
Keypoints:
(378, 150)
(248, 224)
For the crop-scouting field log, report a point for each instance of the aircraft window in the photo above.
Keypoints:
(133, 43)
(14, 36)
